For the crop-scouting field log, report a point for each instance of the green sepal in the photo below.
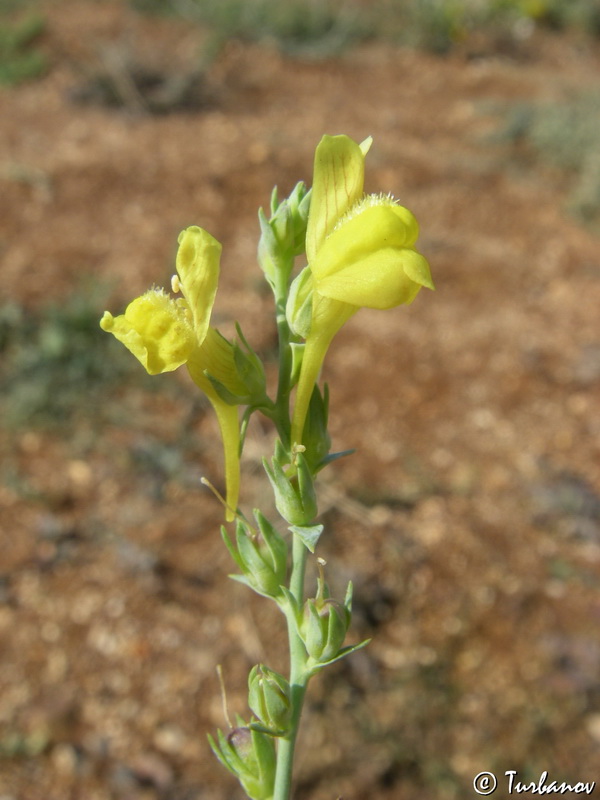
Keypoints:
(314, 631)
(315, 436)
(309, 534)
(292, 603)
(267, 249)
(333, 457)
(243, 579)
(274, 201)
(297, 349)
(264, 747)
(299, 304)
(260, 728)
(248, 411)
(227, 754)
(348, 597)
(276, 544)
(306, 487)
(269, 697)
(255, 767)
(267, 233)
(280, 453)
(263, 565)
(225, 394)
(282, 224)
(232, 551)
(338, 621)
(250, 368)
(219, 755)
(301, 217)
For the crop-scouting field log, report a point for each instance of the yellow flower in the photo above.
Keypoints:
(164, 333)
(361, 253)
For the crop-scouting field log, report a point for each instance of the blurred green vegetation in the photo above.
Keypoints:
(313, 28)
(19, 58)
(324, 27)
(565, 135)
(56, 365)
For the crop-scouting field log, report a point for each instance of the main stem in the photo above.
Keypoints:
(298, 677)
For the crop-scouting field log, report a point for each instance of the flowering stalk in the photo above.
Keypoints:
(360, 251)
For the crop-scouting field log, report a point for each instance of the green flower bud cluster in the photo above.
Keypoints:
(261, 556)
(250, 755)
(283, 235)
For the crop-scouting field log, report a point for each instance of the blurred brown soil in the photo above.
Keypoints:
(468, 519)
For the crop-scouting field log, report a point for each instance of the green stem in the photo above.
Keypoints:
(298, 677)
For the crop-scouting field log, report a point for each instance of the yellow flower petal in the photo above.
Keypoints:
(337, 185)
(379, 280)
(198, 264)
(360, 253)
(155, 329)
(367, 231)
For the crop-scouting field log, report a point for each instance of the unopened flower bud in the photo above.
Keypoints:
(262, 559)
(295, 497)
(323, 628)
(269, 698)
(250, 756)
(283, 235)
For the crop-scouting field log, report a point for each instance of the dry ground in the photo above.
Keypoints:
(469, 519)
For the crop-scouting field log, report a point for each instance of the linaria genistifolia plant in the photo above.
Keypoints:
(360, 251)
